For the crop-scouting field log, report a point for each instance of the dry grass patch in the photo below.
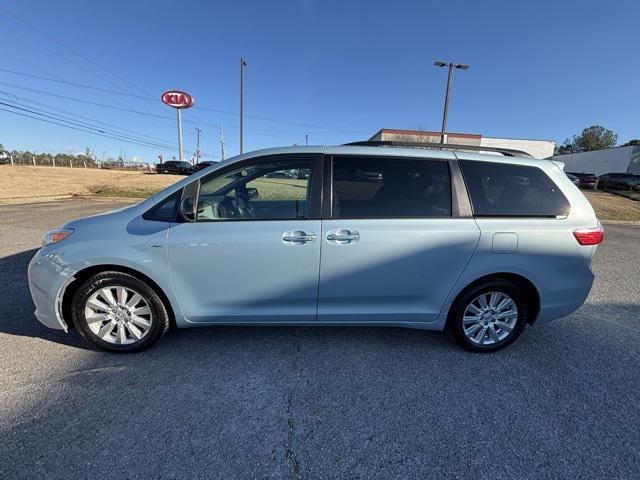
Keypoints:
(612, 207)
(20, 184)
(23, 183)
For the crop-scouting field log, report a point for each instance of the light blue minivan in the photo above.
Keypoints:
(480, 243)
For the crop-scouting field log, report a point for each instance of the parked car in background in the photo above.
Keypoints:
(283, 174)
(175, 167)
(478, 244)
(202, 165)
(302, 173)
(575, 180)
(619, 181)
(588, 181)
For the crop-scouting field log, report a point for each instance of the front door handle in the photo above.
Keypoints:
(343, 236)
(298, 237)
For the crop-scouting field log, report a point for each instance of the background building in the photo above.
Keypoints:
(611, 160)
(535, 148)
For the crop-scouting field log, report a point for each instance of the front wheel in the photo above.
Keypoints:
(118, 312)
(489, 316)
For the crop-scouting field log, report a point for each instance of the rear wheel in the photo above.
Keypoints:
(118, 312)
(489, 316)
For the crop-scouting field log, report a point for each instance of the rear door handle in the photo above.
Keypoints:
(343, 236)
(298, 237)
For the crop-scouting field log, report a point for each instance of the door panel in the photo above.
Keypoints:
(253, 253)
(398, 270)
(243, 271)
(391, 251)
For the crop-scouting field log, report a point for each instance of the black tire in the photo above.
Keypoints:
(456, 314)
(159, 318)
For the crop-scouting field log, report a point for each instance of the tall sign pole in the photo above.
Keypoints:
(179, 110)
(178, 100)
(242, 65)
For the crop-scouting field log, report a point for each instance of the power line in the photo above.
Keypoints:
(57, 79)
(78, 129)
(67, 82)
(66, 97)
(87, 128)
(39, 43)
(155, 115)
(91, 128)
(201, 107)
(17, 99)
(81, 55)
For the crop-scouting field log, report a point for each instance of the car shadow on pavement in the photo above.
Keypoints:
(17, 318)
(16, 306)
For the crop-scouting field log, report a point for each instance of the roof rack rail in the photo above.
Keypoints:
(507, 152)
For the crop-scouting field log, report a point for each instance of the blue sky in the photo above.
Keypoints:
(541, 70)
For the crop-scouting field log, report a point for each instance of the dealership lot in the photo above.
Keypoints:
(320, 402)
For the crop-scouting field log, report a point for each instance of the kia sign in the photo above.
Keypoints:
(177, 99)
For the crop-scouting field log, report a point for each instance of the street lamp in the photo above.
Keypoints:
(451, 66)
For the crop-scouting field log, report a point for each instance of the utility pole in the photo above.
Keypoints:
(221, 142)
(198, 145)
(306, 139)
(242, 65)
(451, 66)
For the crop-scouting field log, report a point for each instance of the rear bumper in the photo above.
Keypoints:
(47, 283)
(560, 302)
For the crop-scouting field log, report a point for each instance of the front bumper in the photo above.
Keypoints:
(48, 279)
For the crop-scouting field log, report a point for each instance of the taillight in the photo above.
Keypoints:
(589, 236)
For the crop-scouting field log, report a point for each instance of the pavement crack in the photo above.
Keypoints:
(289, 452)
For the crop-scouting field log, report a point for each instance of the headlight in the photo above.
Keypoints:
(55, 236)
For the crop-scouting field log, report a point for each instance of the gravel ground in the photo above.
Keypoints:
(563, 402)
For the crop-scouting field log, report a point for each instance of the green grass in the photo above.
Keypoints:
(268, 188)
(280, 188)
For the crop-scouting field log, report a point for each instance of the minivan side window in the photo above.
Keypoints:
(379, 187)
(506, 190)
(278, 190)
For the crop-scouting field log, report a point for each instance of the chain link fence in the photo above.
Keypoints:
(70, 161)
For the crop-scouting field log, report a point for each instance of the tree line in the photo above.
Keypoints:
(592, 138)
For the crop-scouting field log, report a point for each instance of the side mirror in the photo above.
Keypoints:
(252, 193)
(187, 209)
(189, 201)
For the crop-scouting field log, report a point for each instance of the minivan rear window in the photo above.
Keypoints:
(506, 190)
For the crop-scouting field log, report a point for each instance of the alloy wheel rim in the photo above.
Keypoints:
(490, 318)
(118, 315)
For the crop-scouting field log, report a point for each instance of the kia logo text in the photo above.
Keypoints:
(177, 99)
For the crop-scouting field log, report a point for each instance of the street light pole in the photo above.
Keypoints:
(451, 66)
(242, 65)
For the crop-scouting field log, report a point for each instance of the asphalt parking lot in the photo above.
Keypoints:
(563, 402)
